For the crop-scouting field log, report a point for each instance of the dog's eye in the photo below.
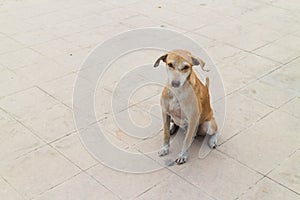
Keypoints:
(186, 67)
(170, 65)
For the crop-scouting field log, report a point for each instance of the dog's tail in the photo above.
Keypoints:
(207, 82)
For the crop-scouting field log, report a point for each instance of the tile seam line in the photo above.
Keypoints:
(280, 164)
(179, 176)
(99, 182)
(274, 110)
(18, 192)
(56, 185)
(286, 187)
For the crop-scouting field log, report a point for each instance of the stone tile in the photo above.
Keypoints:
(71, 62)
(112, 140)
(11, 82)
(7, 192)
(33, 37)
(37, 171)
(231, 73)
(151, 105)
(287, 77)
(264, 34)
(62, 88)
(278, 52)
(50, 70)
(146, 92)
(103, 104)
(15, 139)
(40, 113)
(117, 14)
(251, 64)
(64, 28)
(126, 185)
(255, 146)
(87, 38)
(234, 79)
(180, 190)
(273, 18)
(77, 188)
(92, 21)
(220, 176)
(291, 5)
(241, 112)
(69, 13)
(14, 25)
(72, 147)
(121, 3)
(290, 41)
(139, 21)
(21, 58)
(202, 41)
(7, 45)
(246, 42)
(34, 10)
(227, 28)
(132, 125)
(255, 38)
(297, 34)
(292, 107)
(268, 190)
(150, 145)
(268, 94)
(55, 48)
(97, 35)
(52, 18)
(26, 103)
(153, 10)
(233, 9)
(220, 53)
(83, 9)
(52, 122)
(288, 172)
(194, 7)
(134, 72)
(195, 20)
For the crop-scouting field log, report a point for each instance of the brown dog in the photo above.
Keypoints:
(185, 102)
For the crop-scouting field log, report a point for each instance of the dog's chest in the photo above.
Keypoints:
(175, 111)
(174, 107)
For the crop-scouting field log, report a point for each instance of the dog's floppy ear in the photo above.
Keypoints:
(198, 61)
(163, 58)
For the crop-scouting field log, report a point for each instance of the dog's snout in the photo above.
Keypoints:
(175, 83)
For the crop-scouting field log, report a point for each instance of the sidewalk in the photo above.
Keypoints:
(255, 45)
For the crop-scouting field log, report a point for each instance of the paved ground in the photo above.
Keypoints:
(256, 46)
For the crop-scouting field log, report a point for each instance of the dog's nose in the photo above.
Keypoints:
(175, 83)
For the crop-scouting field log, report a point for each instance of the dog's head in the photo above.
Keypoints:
(179, 65)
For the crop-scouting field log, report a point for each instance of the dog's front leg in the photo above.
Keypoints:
(166, 141)
(190, 134)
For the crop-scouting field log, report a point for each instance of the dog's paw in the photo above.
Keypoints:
(212, 142)
(164, 150)
(182, 158)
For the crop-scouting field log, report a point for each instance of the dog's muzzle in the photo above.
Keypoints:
(175, 83)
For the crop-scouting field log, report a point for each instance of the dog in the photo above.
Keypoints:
(185, 103)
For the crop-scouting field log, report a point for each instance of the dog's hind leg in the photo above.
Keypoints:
(211, 129)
